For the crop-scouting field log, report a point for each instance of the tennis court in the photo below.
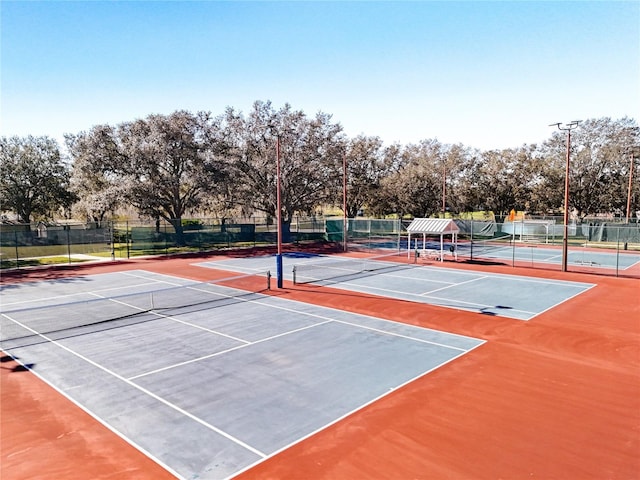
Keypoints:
(394, 276)
(210, 379)
(523, 253)
(504, 250)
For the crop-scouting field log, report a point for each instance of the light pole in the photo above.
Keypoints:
(444, 190)
(634, 152)
(278, 216)
(345, 228)
(565, 236)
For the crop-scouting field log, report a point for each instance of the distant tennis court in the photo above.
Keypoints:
(524, 253)
(517, 253)
(210, 379)
(509, 296)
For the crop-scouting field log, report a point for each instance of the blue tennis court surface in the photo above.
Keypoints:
(219, 381)
(491, 294)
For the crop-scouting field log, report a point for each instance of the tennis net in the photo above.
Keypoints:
(96, 313)
(343, 268)
(500, 248)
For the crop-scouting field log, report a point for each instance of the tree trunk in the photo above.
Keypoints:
(177, 226)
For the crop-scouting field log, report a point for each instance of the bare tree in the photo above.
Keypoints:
(365, 168)
(95, 178)
(599, 165)
(163, 165)
(34, 181)
(311, 159)
(419, 177)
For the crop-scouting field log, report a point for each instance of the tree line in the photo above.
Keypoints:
(185, 164)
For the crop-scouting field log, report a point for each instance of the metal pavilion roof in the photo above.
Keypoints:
(433, 226)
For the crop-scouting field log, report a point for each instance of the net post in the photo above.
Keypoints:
(294, 275)
(268, 279)
(279, 270)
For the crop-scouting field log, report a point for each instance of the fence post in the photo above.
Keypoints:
(113, 246)
(68, 228)
(471, 240)
(513, 242)
(617, 249)
(126, 237)
(166, 240)
(15, 236)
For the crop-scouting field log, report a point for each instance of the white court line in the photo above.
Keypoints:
(145, 391)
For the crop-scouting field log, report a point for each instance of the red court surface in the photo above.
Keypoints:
(556, 397)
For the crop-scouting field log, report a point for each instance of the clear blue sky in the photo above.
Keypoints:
(486, 74)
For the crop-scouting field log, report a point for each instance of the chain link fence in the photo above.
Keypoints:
(593, 247)
(24, 245)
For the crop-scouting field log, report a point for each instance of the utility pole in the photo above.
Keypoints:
(279, 216)
(633, 153)
(345, 224)
(567, 127)
(444, 190)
